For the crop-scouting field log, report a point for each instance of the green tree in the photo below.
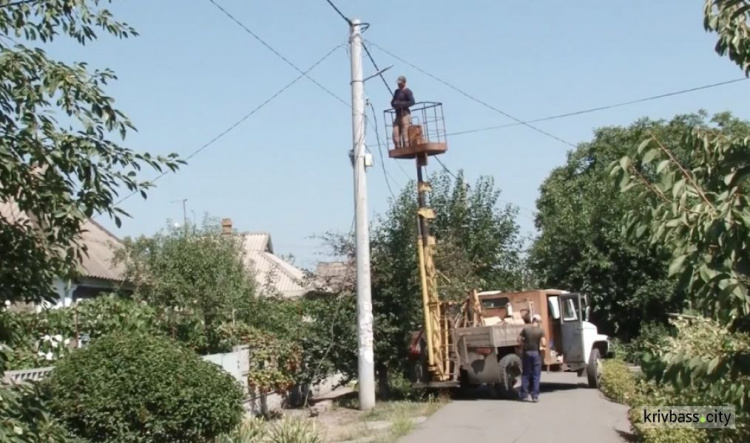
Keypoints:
(701, 210)
(729, 20)
(478, 246)
(196, 274)
(581, 245)
(59, 165)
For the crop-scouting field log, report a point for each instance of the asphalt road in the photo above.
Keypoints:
(567, 411)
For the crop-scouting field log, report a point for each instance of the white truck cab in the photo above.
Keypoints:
(583, 347)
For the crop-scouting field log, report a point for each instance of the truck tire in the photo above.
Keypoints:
(510, 369)
(594, 369)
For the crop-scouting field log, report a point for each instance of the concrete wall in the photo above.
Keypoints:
(237, 363)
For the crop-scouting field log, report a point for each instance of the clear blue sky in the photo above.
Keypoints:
(192, 73)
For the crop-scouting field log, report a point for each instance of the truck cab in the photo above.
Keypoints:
(574, 343)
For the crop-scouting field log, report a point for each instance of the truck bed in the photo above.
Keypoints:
(495, 336)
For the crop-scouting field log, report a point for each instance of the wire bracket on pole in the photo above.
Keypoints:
(377, 74)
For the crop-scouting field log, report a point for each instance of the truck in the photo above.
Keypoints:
(476, 342)
(484, 341)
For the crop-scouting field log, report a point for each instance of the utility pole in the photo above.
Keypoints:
(366, 360)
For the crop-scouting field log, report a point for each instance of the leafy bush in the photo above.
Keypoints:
(707, 379)
(133, 387)
(329, 342)
(24, 417)
(621, 385)
(251, 431)
(704, 364)
(651, 336)
(294, 430)
(618, 383)
(42, 338)
(274, 362)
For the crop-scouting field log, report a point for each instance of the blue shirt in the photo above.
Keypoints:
(402, 100)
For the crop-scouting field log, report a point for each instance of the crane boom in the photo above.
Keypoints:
(422, 140)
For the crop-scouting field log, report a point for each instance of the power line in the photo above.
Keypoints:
(483, 103)
(606, 107)
(254, 35)
(382, 156)
(248, 115)
(375, 65)
(335, 8)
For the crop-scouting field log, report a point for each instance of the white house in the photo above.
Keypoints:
(98, 272)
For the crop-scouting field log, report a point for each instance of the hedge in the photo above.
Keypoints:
(132, 387)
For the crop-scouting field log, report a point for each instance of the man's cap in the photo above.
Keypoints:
(401, 79)
(537, 317)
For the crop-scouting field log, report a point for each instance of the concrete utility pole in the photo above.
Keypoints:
(366, 367)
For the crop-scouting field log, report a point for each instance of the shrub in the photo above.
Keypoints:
(133, 387)
(652, 336)
(24, 417)
(294, 430)
(621, 385)
(251, 431)
(618, 383)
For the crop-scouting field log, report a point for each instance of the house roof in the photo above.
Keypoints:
(272, 272)
(101, 246)
(335, 276)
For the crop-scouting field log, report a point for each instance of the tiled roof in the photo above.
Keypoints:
(101, 245)
(271, 272)
(335, 276)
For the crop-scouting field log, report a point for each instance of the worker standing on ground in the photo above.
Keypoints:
(533, 342)
(402, 100)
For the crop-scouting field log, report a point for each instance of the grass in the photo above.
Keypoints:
(386, 423)
(397, 415)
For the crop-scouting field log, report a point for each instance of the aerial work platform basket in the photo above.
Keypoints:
(425, 133)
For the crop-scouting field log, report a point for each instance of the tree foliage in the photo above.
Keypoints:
(478, 246)
(702, 212)
(42, 338)
(729, 20)
(700, 209)
(59, 164)
(581, 245)
(193, 273)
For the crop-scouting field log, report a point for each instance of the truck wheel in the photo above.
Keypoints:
(510, 370)
(594, 369)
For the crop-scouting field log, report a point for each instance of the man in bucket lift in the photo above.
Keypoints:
(402, 100)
